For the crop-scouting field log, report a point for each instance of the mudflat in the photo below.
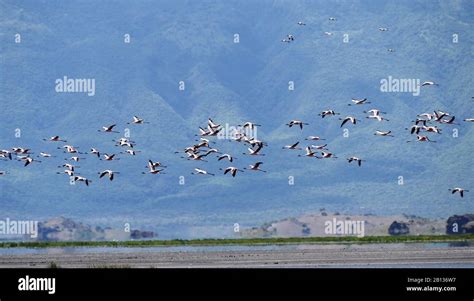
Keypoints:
(308, 256)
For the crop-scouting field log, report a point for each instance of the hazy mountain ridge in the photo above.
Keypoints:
(233, 83)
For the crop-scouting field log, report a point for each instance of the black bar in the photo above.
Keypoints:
(241, 282)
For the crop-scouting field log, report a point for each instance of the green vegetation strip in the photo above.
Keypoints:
(241, 241)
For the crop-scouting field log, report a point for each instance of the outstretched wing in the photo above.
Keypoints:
(344, 122)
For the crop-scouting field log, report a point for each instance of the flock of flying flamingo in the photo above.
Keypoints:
(423, 125)
(200, 150)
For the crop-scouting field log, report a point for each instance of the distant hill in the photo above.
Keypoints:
(65, 229)
(316, 224)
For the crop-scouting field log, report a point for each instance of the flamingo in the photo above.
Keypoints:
(55, 139)
(108, 157)
(45, 155)
(192, 149)
(328, 113)
(211, 150)
(75, 159)
(232, 170)
(82, 179)
(249, 125)
(309, 153)
(255, 141)
(448, 121)
(29, 160)
(94, 151)
(421, 138)
(5, 154)
(355, 159)
(313, 138)
(353, 120)
(255, 152)
(67, 171)
(213, 131)
(109, 173)
(153, 165)
(137, 120)
(131, 152)
(201, 172)
(203, 143)
(207, 141)
(203, 132)
(378, 117)
(154, 171)
(429, 83)
(459, 190)
(375, 112)
(226, 156)
(69, 166)
(240, 137)
(189, 153)
(124, 142)
(108, 129)
(196, 157)
(383, 133)
(21, 150)
(293, 146)
(319, 147)
(418, 121)
(359, 101)
(70, 149)
(432, 129)
(212, 124)
(255, 167)
(326, 155)
(438, 115)
(428, 116)
(296, 122)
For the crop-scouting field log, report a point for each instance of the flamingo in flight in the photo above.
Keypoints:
(55, 139)
(297, 123)
(108, 129)
(232, 170)
(458, 190)
(109, 173)
(359, 101)
(198, 171)
(293, 146)
(137, 120)
(355, 159)
(255, 167)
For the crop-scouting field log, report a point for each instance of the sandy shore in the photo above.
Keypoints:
(370, 255)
